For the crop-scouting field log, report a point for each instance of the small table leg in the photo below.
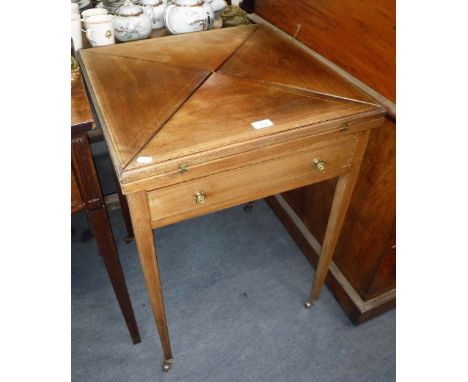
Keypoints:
(341, 199)
(101, 227)
(249, 206)
(88, 183)
(139, 210)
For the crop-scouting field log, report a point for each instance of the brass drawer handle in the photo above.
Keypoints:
(319, 164)
(200, 197)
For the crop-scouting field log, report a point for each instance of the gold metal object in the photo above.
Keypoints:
(75, 71)
(309, 302)
(344, 126)
(319, 164)
(233, 16)
(200, 197)
(183, 168)
(167, 365)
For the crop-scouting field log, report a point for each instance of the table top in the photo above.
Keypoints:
(81, 116)
(177, 97)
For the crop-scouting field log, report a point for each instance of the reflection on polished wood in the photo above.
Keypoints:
(160, 114)
(357, 35)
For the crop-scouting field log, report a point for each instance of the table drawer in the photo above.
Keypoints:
(207, 194)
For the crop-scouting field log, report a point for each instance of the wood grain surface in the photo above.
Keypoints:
(86, 194)
(199, 165)
(77, 202)
(80, 109)
(138, 205)
(205, 51)
(176, 203)
(133, 109)
(196, 128)
(272, 58)
(359, 36)
(134, 106)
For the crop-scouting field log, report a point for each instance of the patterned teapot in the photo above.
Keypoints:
(185, 16)
(217, 6)
(131, 23)
(155, 10)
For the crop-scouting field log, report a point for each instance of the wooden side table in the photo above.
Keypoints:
(86, 194)
(205, 121)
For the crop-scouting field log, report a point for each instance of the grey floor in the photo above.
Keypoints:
(234, 285)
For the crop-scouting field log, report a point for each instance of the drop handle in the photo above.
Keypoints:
(200, 197)
(319, 164)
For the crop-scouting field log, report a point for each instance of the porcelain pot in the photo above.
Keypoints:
(217, 6)
(155, 10)
(131, 23)
(185, 16)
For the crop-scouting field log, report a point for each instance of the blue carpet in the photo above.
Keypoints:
(234, 286)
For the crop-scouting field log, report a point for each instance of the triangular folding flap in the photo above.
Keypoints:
(206, 51)
(221, 111)
(267, 56)
(147, 94)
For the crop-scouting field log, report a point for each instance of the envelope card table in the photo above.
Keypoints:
(200, 122)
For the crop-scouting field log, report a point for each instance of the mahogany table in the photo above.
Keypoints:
(200, 122)
(86, 194)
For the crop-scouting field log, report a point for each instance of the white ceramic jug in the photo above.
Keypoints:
(155, 10)
(131, 23)
(184, 16)
(76, 31)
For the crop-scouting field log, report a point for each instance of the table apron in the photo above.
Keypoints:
(177, 202)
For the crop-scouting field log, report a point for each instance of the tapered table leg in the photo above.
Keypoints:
(90, 191)
(143, 231)
(101, 227)
(343, 193)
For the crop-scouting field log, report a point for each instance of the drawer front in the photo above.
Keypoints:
(203, 195)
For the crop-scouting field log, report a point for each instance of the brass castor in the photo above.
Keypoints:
(308, 304)
(248, 207)
(167, 365)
